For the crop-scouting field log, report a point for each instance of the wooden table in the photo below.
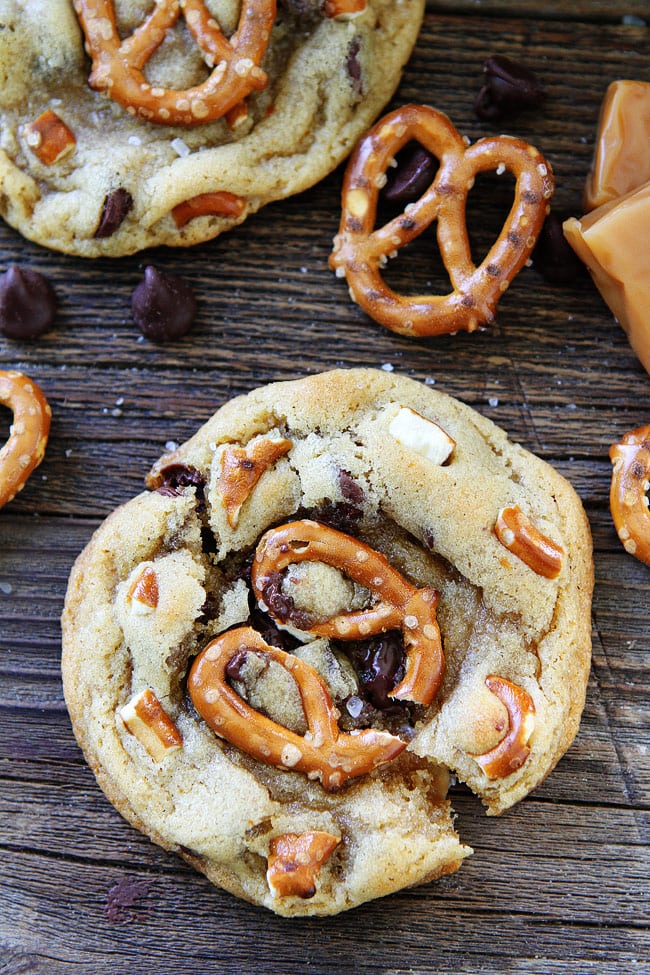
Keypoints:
(558, 884)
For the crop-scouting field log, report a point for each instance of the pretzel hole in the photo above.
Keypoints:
(418, 267)
(488, 204)
(269, 688)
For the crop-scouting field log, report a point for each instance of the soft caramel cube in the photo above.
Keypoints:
(614, 243)
(622, 156)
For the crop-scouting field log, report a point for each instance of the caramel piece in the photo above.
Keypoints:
(622, 156)
(613, 242)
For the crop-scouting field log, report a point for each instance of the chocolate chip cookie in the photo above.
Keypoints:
(126, 124)
(340, 590)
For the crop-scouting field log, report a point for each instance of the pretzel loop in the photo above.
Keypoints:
(118, 64)
(360, 252)
(628, 498)
(323, 752)
(400, 606)
(25, 448)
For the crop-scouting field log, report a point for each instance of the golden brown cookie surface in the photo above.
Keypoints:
(87, 174)
(303, 620)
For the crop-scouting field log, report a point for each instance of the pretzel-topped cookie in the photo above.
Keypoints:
(360, 251)
(400, 606)
(118, 64)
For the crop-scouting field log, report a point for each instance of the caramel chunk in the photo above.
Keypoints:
(613, 243)
(622, 156)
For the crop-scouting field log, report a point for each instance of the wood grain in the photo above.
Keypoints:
(560, 883)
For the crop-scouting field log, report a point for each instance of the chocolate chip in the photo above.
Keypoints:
(27, 303)
(508, 88)
(379, 664)
(553, 256)
(176, 477)
(414, 173)
(350, 490)
(235, 665)
(281, 605)
(354, 65)
(116, 206)
(163, 306)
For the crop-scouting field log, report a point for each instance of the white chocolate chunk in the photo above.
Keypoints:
(423, 436)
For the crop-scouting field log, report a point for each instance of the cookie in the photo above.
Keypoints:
(339, 591)
(198, 114)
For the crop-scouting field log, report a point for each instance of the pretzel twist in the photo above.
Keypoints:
(25, 448)
(628, 498)
(401, 605)
(360, 251)
(324, 752)
(118, 64)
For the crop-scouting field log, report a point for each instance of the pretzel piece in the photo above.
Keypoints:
(360, 251)
(401, 605)
(519, 535)
(628, 499)
(217, 204)
(241, 469)
(513, 749)
(145, 718)
(118, 64)
(323, 753)
(294, 861)
(49, 138)
(25, 448)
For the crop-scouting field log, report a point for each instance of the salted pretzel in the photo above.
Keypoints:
(513, 749)
(324, 752)
(360, 252)
(118, 64)
(628, 498)
(400, 606)
(25, 448)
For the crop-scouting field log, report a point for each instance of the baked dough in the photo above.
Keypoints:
(328, 79)
(421, 479)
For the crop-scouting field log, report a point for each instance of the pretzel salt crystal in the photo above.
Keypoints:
(360, 251)
(25, 448)
(628, 499)
(118, 64)
(323, 753)
(401, 604)
(513, 749)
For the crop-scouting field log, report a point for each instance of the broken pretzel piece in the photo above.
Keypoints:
(628, 498)
(241, 469)
(518, 534)
(361, 251)
(513, 749)
(294, 861)
(49, 138)
(218, 204)
(145, 718)
(323, 752)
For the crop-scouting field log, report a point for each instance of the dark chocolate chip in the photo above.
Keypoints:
(553, 256)
(235, 665)
(27, 303)
(508, 88)
(379, 664)
(281, 605)
(354, 65)
(350, 490)
(176, 477)
(116, 206)
(163, 306)
(414, 173)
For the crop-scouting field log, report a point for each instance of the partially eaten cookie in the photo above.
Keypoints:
(340, 590)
